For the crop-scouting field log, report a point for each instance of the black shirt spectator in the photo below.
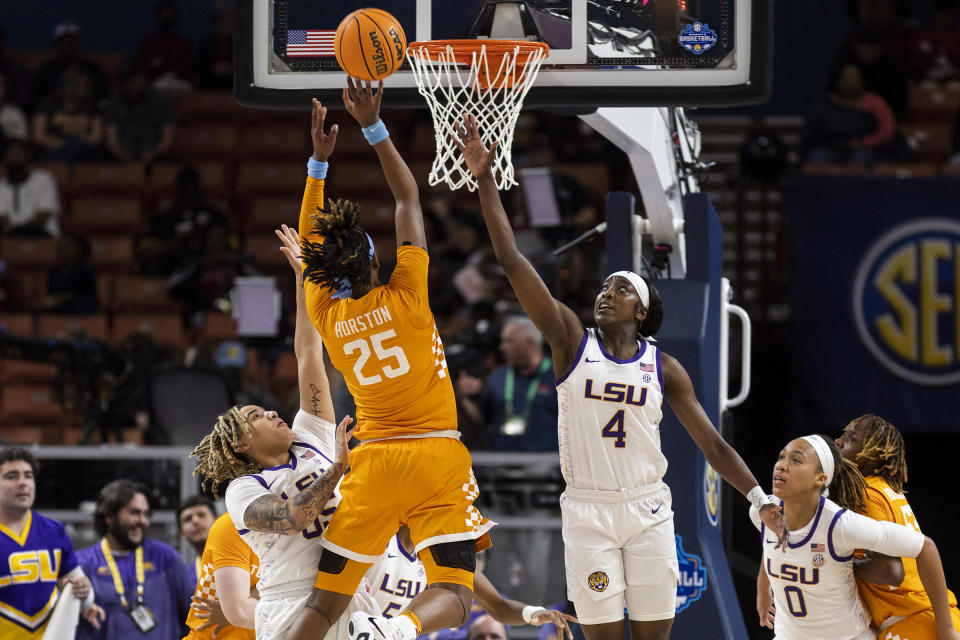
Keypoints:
(67, 37)
(180, 230)
(165, 52)
(213, 62)
(67, 125)
(72, 283)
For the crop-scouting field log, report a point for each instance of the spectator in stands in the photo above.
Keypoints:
(72, 283)
(213, 62)
(29, 204)
(486, 628)
(194, 519)
(880, 45)
(937, 49)
(31, 536)
(13, 121)
(68, 58)
(152, 605)
(519, 399)
(18, 80)
(851, 124)
(66, 124)
(204, 279)
(179, 231)
(138, 120)
(164, 54)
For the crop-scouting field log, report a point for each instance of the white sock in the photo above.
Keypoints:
(407, 630)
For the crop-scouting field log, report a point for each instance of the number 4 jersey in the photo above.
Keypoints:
(609, 418)
(812, 581)
(385, 344)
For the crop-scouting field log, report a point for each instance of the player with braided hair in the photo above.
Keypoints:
(878, 450)
(812, 577)
(282, 481)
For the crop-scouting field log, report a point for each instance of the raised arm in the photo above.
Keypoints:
(930, 569)
(558, 323)
(272, 514)
(363, 103)
(323, 144)
(718, 452)
(315, 394)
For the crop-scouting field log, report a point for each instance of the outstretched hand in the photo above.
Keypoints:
(558, 619)
(323, 143)
(361, 101)
(773, 518)
(291, 248)
(478, 157)
(344, 433)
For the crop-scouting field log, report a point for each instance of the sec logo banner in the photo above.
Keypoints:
(906, 301)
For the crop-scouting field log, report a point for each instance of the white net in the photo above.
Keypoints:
(489, 81)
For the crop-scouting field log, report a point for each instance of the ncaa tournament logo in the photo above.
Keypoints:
(711, 493)
(697, 38)
(693, 577)
(906, 301)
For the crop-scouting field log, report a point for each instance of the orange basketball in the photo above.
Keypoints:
(370, 44)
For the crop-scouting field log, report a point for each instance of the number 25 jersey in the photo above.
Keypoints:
(385, 344)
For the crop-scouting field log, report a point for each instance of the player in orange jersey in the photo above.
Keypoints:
(223, 606)
(877, 448)
(410, 467)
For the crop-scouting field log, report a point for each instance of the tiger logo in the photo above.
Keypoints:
(598, 581)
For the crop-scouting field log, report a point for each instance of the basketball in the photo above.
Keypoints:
(370, 44)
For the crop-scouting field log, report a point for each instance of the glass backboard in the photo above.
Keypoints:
(602, 52)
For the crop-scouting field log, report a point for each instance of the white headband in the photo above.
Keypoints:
(826, 458)
(641, 287)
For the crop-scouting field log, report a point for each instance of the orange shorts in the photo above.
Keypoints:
(919, 626)
(425, 483)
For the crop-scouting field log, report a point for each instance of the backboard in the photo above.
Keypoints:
(602, 52)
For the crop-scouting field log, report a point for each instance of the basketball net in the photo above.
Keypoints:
(485, 78)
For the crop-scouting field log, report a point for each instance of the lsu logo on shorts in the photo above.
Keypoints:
(598, 581)
(906, 301)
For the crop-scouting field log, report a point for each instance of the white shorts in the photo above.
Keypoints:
(278, 609)
(620, 550)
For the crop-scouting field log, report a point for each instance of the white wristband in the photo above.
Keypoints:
(528, 612)
(758, 497)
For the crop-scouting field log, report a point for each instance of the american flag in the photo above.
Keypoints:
(646, 367)
(309, 42)
(817, 547)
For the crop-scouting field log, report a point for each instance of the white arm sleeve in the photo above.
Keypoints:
(317, 431)
(240, 494)
(755, 513)
(855, 531)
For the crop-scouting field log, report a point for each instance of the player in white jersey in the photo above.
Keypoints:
(282, 490)
(399, 575)
(812, 578)
(617, 513)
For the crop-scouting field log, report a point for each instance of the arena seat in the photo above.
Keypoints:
(61, 173)
(208, 105)
(112, 252)
(206, 140)
(140, 293)
(17, 324)
(25, 372)
(162, 328)
(66, 327)
(30, 404)
(108, 177)
(906, 169)
(163, 178)
(264, 214)
(109, 214)
(817, 169)
(23, 252)
(218, 327)
(275, 142)
(271, 177)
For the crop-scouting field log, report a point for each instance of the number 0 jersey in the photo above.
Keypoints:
(609, 418)
(385, 344)
(812, 581)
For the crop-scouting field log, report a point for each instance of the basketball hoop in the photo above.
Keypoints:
(486, 78)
